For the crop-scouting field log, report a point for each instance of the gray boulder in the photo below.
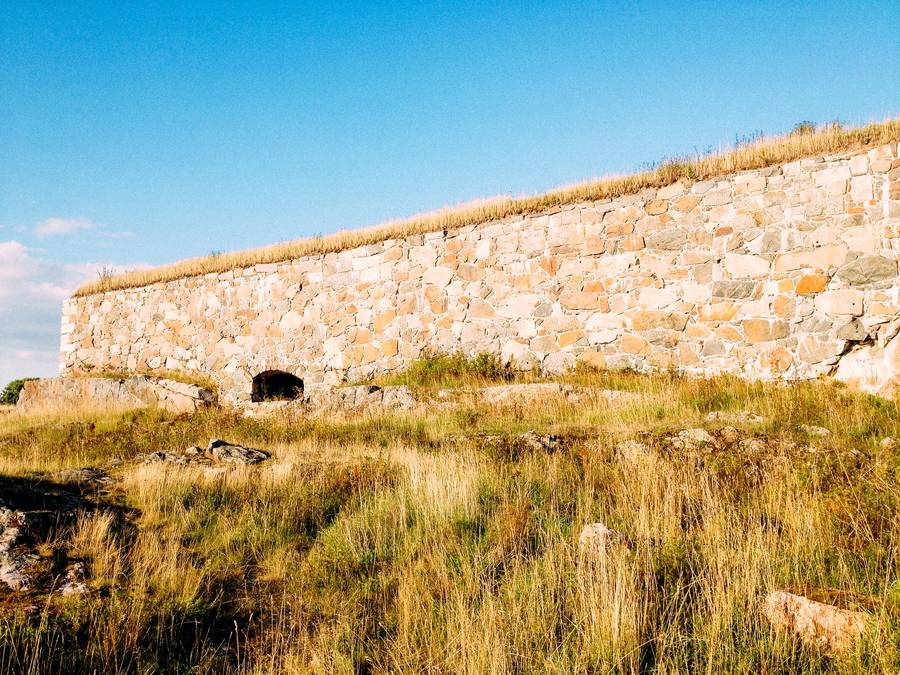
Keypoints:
(223, 451)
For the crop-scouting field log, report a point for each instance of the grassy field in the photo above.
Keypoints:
(804, 142)
(433, 541)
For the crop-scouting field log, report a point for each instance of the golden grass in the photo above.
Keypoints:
(402, 543)
(763, 152)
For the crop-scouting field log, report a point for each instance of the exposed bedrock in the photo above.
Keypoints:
(133, 392)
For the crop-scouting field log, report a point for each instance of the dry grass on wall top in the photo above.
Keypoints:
(760, 153)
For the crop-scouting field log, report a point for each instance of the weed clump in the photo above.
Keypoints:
(456, 369)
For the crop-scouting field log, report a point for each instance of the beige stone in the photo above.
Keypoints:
(633, 344)
(778, 359)
(816, 623)
(579, 300)
(593, 358)
(671, 191)
(784, 306)
(763, 330)
(824, 257)
(383, 320)
(479, 309)
(718, 311)
(570, 337)
(840, 301)
(739, 265)
(656, 207)
(687, 203)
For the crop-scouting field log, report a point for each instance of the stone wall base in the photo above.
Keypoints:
(139, 391)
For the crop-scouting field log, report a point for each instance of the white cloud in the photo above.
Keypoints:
(56, 226)
(32, 290)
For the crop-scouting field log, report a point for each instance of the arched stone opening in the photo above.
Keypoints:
(275, 385)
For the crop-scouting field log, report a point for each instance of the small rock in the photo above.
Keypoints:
(814, 622)
(597, 538)
(729, 434)
(161, 457)
(888, 442)
(75, 580)
(223, 451)
(193, 451)
(752, 446)
(398, 397)
(13, 525)
(13, 576)
(632, 451)
(540, 443)
(813, 430)
(692, 439)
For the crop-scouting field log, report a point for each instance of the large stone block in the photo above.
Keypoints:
(764, 330)
(824, 257)
(842, 301)
(868, 269)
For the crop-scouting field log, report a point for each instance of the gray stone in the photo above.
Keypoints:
(539, 442)
(868, 269)
(692, 439)
(632, 451)
(733, 289)
(223, 451)
(667, 240)
(162, 457)
(852, 330)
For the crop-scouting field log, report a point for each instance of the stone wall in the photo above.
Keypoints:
(775, 273)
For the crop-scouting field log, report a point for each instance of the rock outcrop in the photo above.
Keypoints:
(873, 368)
(32, 512)
(139, 391)
(217, 451)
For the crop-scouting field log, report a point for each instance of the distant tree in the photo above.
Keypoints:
(10, 395)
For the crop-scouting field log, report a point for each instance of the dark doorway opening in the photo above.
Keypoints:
(275, 385)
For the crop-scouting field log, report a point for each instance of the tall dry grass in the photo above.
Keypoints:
(408, 543)
(759, 153)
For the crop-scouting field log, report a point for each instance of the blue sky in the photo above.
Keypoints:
(140, 135)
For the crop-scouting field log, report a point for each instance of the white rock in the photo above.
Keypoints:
(815, 623)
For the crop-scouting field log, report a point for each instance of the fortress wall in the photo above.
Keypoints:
(780, 272)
